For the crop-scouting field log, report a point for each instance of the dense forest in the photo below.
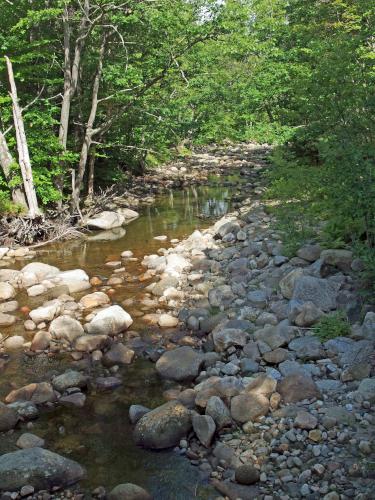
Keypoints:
(106, 88)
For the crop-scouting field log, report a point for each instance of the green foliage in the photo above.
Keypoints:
(332, 326)
(7, 207)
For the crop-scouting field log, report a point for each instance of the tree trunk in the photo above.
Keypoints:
(90, 131)
(6, 162)
(22, 148)
(71, 75)
(91, 174)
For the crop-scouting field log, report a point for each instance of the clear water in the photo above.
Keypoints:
(99, 435)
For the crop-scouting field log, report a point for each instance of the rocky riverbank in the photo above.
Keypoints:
(255, 399)
(275, 410)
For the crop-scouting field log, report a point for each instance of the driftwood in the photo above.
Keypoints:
(26, 231)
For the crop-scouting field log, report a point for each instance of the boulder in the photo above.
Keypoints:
(307, 314)
(40, 270)
(248, 407)
(110, 321)
(366, 389)
(41, 341)
(39, 468)
(127, 213)
(204, 427)
(47, 312)
(342, 259)
(7, 319)
(221, 295)
(167, 321)
(8, 418)
(6, 291)
(246, 474)
(36, 290)
(321, 292)
(128, 491)
(14, 342)
(66, 328)
(96, 299)
(164, 426)
(118, 354)
(28, 440)
(304, 420)
(224, 387)
(275, 336)
(38, 393)
(76, 280)
(217, 409)
(307, 348)
(181, 364)
(106, 220)
(136, 412)
(228, 337)
(287, 283)
(69, 379)
(311, 253)
(297, 387)
(89, 343)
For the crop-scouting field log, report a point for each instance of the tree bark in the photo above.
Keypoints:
(91, 173)
(22, 147)
(89, 131)
(6, 162)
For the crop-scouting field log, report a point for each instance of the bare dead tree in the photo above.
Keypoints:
(22, 147)
(6, 162)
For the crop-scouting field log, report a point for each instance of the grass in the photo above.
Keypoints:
(332, 326)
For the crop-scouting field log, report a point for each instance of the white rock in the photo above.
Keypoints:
(15, 342)
(41, 270)
(95, 299)
(35, 290)
(76, 280)
(6, 291)
(167, 321)
(106, 220)
(110, 321)
(66, 328)
(3, 251)
(47, 312)
(127, 213)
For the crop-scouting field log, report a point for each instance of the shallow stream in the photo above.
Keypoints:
(99, 436)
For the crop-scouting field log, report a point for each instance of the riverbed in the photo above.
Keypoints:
(99, 436)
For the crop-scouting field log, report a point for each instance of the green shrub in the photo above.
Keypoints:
(332, 326)
(7, 207)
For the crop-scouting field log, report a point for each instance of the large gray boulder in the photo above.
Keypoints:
(106, 220)
(39, 468)
(163, 427)
(180, 364)
(319, 291)
(307, 348)
(342, 259)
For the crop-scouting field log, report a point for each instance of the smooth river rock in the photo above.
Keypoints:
(106, 220)
(163, 427)
(110, 321)
(180, 364)
(129, 491)
(39, 468)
